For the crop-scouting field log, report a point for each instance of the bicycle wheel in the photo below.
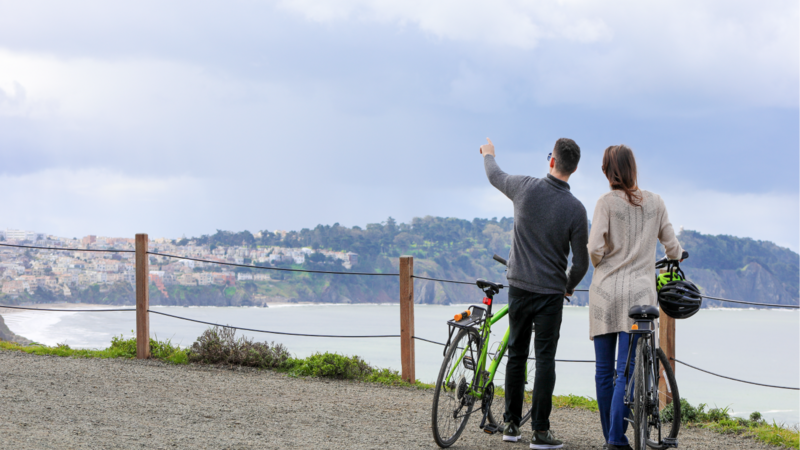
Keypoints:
(452, 404)
(669, 404)
(498, 408)
(641, 430)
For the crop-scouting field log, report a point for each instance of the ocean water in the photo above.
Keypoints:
(755, 345)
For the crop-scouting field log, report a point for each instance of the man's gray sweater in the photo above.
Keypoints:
(548, 219)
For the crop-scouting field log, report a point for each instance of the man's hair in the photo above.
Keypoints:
(567, 154)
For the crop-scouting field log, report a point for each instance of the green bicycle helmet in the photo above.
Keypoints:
(664, 278)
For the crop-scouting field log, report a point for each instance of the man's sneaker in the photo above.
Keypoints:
(545, 439)
(620, 447)
(511, 432)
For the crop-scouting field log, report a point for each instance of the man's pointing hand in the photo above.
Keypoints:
(487, 149)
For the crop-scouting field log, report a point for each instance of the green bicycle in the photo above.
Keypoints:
(464, 379)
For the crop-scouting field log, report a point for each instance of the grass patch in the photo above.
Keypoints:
(120, 348)
(341, 367)
(575, 401)
(720, 420)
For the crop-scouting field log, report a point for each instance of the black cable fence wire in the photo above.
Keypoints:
(282, 269)
(352, 337)
(676, 360)
(67, 310)
(66, 249)
(506, 356)
(346, 273)
(275, 332)
(735, 379)
(771, 305)
(471, 283)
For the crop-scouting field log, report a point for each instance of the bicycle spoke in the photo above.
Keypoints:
(453, 401)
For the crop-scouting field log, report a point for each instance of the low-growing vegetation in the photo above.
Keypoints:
(120, 348)
(220, 346)
(720, 420)
(575, 401)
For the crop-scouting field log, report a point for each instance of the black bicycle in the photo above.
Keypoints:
(656, 406)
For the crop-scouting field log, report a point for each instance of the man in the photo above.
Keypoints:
(548, 220)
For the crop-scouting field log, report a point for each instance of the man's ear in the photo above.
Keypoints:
(552, 162)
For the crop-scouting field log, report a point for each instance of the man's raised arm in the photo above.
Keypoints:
(505, 183)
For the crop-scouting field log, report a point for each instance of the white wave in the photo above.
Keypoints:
(36, 326)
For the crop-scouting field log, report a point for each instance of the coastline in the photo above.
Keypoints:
(45, 306)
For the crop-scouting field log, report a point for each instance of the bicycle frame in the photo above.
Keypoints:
(645, 336)
(484, 332)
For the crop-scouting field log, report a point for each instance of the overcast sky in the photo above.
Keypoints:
(177, 118)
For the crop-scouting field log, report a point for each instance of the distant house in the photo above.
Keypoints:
(352, 258)
(22, 235)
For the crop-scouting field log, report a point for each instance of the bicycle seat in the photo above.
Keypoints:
(640, 312)
(494, 287)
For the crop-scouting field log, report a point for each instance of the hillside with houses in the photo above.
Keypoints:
(449, 248)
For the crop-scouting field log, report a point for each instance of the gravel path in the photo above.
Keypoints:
(54, 402)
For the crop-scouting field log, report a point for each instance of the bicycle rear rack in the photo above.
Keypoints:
(474, 320)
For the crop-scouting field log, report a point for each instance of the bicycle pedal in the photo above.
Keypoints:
(670, 442)
(469, 363)
(492, 428)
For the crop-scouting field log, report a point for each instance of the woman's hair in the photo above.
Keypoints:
(619, 165)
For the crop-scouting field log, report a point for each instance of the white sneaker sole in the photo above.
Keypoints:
(511, 438)
(545, 446)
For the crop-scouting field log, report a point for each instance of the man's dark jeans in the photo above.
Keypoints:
(526, 309)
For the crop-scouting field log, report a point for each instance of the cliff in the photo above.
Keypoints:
(7, 335)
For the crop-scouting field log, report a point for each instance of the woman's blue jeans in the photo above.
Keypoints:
(609, 378)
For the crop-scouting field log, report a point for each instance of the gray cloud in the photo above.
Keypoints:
(248, 115)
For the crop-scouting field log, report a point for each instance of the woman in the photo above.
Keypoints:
(622, 245)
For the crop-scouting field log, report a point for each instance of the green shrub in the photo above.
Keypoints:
(718, 414)
(124, 348)
(386, 376)
(220, 346)
(333, 365)
(689, 413)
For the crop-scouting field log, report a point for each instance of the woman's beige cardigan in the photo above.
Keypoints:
(622, 246)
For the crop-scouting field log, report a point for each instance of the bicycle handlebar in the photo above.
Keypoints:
(661, 263)
(500, 259)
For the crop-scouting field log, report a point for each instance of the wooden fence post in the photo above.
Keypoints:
(666, 340)
(407, 318)
(142, 298)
